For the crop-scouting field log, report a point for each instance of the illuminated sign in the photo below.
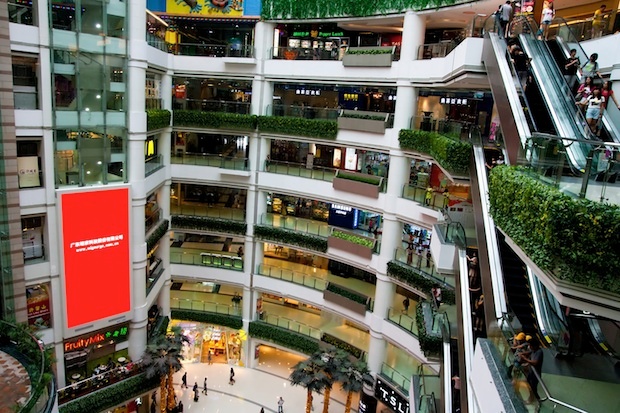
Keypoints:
(95, 228)
(319, 34)
(117, 334)
(388, 396)
(216, 8)
(38, 305)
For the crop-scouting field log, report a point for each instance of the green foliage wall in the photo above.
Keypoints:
(431, 345)
(307, 9)
(226, 320)
(284, 337)
(156, 235)
(452, 154)
(157, 119)
(312, 128)
(576, 239)
(214, 120)
(209, 224)
(419, 282)
(285, 236)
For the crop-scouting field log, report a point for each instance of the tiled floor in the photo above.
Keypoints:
(14, 377)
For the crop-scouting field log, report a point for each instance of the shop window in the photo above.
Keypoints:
(25, 83)
(32, 239)
(29, 164)
(64, 92)
(38, 305)
(152, 212)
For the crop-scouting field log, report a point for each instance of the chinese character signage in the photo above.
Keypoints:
(95, 241)
(38, 306)
(117, 334)
(28, 171)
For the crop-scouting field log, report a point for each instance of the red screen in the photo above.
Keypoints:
(95, 229)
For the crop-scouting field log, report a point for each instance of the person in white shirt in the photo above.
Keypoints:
(548, 13)
(595, 105)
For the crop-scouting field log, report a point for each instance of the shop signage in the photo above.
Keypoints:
(118, 333)
(368, 404)
(320, 34)
(28, 171)
(387, 395)
(38, 304)
(343, 216)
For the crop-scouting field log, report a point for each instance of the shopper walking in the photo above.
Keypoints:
(184, 380)
(231, 379)
(204, 387)
(594, 111)
(590, 69)
(571, 65)
(599, 21)
(548, 13)
(180, 407)
(406, 303)
(535, 363)
(280, 404)
(505, 17)
(608, 93)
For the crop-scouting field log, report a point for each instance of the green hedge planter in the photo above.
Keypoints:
(576, 240)
(419, 281)
(110, 396)
(355, 239)
(285, 236)
(343, 345)
(367, 179)
(450, 153)
(214, 120)
(347, 293)
(431, 345)
(317, 9)
(311, 128)
(283, 337)
(226, 320)
(156, 235)
(209, 224)
(157, 119)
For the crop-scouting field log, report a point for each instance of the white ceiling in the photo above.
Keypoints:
(451, 17)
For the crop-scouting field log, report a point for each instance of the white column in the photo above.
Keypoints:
(137, 339)
(398, 177)
(262, 95)
(406, 104)
(414, 27)
(384, 296)
(166, 90)
(163, 299)
(253, 153)
(263, 39)
(376, 352)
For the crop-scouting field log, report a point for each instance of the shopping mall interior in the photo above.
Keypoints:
(240, 185)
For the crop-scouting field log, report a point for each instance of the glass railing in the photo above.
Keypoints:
(190, 256)
(153, 103)
(297, 111)
(406, 321)
(428, 385)
(424, 266)
(306, 226)
(84, 387)
(233, 214)
(397, 378)
(285, 274)
(298, 53)
(20, 13)
(206, 306)
(300, 169)
(434, 50)
(544, 158)
(452, 233)
(503, 343)
(212, 50)
(452, 128)
(156, 42)
(153, 164)
(218, 161)
(204, 105)
(290, 324)
(153, 275)
(584, 28)
(419, 194)
(152, 220)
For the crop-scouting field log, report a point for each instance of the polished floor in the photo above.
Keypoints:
(253, 389)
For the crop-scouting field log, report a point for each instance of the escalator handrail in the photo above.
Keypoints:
(505, 320)
(528, 113)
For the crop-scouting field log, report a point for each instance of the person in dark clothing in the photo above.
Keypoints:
(571, 66)
(204, 389)
(232, 376)
(180, 407)
(522, 65)
(535, 361)
(184, 380)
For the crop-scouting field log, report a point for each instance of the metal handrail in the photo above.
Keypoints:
(504, 319)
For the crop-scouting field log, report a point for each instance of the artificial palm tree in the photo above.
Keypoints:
(309, 374)
(162, 359)
(332, 362)
(353, 376)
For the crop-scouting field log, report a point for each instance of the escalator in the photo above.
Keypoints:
(518, 293)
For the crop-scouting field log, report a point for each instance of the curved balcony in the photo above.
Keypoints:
(26, 376)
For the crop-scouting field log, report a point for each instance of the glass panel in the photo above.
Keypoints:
(65, 92)
(92, 21)
(63, 14)
(90, 82)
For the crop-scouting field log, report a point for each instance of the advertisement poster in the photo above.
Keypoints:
(207, 8)
(28, 171)
(95, 232)
(38, 306)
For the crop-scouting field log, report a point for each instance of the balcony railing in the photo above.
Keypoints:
(397, 378)
(153, 103)
(406, 321)
(308, 280)
(226, 106)
(153, 164)
(206, 306)
(297, 53)
(156, 270)
(296, 224)
(156, 42)
(290, 324)
(300, 169)
(188, 256)
(150, 221)
(203, 159)
(434, 50)
(297, 111)
(402, 255)
(419, 195)
(233, 214)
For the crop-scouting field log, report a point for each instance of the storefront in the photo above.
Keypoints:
(96, 352)
(39, 306)
(209, 343)
(389, 397)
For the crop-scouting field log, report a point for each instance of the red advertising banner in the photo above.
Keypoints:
(95, 229)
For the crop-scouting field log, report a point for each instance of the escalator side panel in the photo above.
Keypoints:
(512, 139)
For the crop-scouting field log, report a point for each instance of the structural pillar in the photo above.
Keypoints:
(414, 27)
(376, 352)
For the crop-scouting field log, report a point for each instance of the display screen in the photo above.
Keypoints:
(95, 230)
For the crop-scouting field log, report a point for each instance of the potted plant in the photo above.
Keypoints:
(357, 120)
(369, 56)
(352, 243)
(357, 183)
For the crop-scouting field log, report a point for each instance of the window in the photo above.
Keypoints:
(32, 239)
(25, 82)
(29, 164)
